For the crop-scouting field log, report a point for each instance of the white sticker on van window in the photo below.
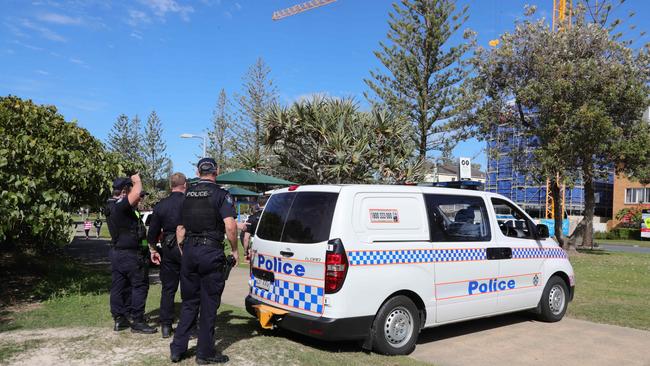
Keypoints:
(384, 215)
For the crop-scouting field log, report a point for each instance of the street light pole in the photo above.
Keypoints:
(204, 137)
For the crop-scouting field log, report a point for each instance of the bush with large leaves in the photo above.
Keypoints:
(48, 168)
(328, 140)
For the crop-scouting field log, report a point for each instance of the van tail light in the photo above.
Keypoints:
(336, 266)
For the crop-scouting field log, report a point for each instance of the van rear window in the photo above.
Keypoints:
(298, 217)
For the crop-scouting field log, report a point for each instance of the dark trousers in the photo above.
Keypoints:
(129, 274)
(202, 283)
(170, 270)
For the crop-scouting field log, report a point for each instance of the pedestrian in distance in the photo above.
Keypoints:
(208, 213)
(165, 218)
(98, 226)
(87, 226)
(129, 268)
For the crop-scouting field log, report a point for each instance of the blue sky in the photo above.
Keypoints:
(97, 59)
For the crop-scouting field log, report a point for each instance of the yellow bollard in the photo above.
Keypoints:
(265, 313)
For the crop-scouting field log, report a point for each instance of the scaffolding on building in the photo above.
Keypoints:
(510, 159)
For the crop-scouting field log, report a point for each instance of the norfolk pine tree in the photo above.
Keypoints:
(259, 95)
(220, 133)
(154, 159)
(423, 69)
(124, 139)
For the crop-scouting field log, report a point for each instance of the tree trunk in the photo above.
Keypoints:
(422, 148)
(590, 204)
(556, 193)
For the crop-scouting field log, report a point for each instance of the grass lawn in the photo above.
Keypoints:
(612, 288)
(74, 322)
(624, 242)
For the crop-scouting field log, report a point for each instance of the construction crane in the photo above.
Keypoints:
(299, 8)
(562, 11)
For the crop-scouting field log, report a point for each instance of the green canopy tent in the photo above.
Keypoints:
(247, 177)
(242, 196)
(241, 192)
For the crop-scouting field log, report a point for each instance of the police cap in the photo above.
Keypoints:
(207, 165)
(121, 182)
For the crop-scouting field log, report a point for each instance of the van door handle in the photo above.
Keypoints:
(286, 254)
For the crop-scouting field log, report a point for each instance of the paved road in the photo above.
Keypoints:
(624, 248)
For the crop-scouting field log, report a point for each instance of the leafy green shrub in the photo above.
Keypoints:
(620, 233)
(48, 168)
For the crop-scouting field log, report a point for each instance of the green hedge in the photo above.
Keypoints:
(620, 233)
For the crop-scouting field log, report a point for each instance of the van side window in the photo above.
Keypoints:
(512, 221)
(457, 218)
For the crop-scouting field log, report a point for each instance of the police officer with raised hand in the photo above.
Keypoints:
(208, 213)
(165, 218)
(129, 270)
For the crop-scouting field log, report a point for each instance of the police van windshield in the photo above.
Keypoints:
(298, 217)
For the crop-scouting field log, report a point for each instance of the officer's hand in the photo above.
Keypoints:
(243, 225)
(155, 258)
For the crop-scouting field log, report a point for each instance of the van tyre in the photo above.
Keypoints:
(555, 299)
(396, 327)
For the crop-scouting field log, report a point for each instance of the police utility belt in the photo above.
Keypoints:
(202, 238)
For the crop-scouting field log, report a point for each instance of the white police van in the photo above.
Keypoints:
(379, 263)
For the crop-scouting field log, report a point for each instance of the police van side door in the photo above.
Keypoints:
(461, 236)
(522, 271)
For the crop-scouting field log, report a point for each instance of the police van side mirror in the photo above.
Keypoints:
(542, 231)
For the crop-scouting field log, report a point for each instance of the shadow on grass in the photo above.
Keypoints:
(30, 278)
(251, 328)
(593, 251)
(473, 326)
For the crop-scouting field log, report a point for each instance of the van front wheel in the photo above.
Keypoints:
(554, 300)
(396, 327)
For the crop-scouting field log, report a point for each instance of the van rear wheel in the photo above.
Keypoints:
(396, 327)
(555, 299)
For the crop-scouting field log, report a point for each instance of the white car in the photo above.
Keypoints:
(379, 263)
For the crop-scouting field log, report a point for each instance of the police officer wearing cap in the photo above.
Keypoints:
(207, 214)
(165, 218)
(118, 184)
(128, 266)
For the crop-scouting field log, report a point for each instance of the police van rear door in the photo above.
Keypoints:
(288, 253)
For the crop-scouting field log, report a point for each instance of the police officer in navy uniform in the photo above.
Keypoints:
(208, 213)
(128, 267)
(117, 194)
(165, 218)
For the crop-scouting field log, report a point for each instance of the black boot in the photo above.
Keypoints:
(139, 326)
(121, 323)
(175, 357)
(166, 330)
(212, 360)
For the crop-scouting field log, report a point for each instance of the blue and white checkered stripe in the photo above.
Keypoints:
(391, 257)
(371, 257)
(368, 257)
(530, 253)
(295, 295)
